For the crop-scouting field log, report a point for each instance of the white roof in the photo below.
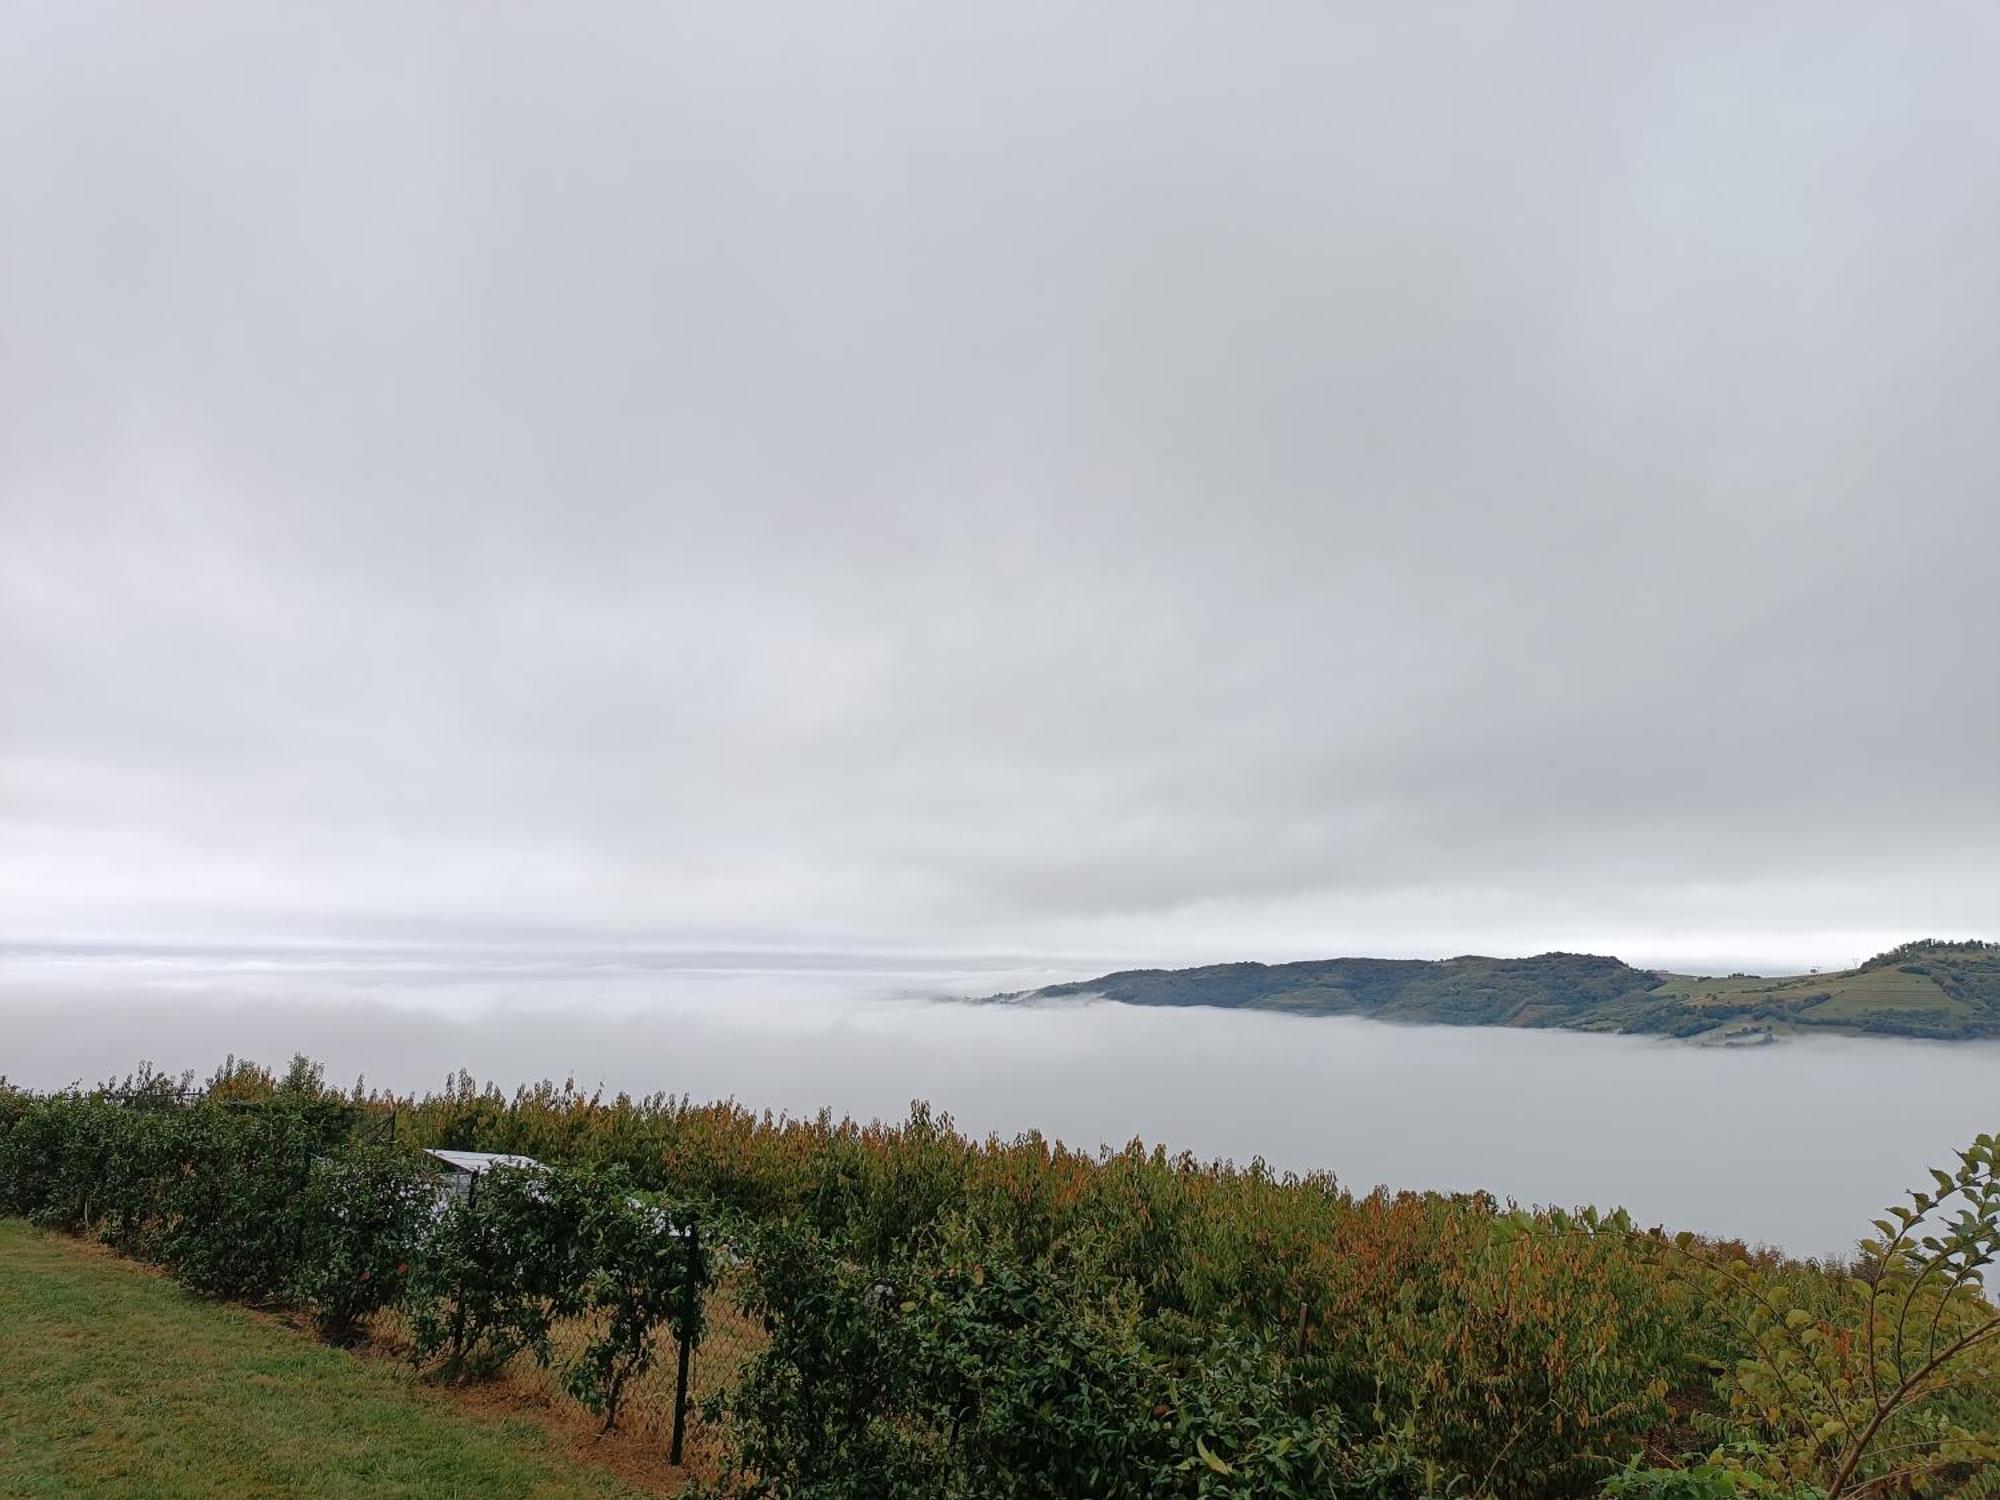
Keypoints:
(476, 1162)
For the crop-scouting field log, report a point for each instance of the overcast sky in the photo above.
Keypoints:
(1146, 480)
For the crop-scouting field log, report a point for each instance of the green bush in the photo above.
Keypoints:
(964, 1372)
(498, 1268)
(1887, 1379)
(34, 1167)
(1708, 1480)
(232, 1208)
(1529, 1361)
(363, 1216)
(646, 1269)
(88, 1165)
(885, 1382)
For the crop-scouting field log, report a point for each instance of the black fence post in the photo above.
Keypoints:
(690, 1311)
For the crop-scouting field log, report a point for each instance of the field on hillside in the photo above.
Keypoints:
(1823, 999)
(116, 1382)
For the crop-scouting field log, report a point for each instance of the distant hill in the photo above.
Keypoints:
(1925, 989)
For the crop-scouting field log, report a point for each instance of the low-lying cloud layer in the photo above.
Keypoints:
(1171, 481)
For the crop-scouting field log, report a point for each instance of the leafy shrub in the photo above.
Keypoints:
(87, 1164)
(363, 1215)
(498, 1268)
(644, 1272)
(933, 1381)
(1887, 1378)
(962, 1371)
(35, 1156)
(14, 1103)
(1709, 1480)
(132, 1149)
(1529, 1362)
(233, 1221)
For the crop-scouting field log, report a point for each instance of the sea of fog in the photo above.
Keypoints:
(1798, 1144)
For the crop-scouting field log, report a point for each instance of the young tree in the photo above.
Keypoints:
(364, 1212)
(1882, 1382)
(645, 1271)
(498, 1269)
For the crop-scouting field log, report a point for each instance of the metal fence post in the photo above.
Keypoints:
(690, 1311)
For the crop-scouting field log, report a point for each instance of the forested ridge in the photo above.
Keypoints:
(1928, 988)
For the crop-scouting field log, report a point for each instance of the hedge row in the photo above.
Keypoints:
(949, 1319)
(283, 1201)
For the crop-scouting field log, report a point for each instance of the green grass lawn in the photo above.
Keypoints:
(115, 1382)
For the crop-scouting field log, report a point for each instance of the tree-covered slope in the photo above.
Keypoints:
(1929, 988)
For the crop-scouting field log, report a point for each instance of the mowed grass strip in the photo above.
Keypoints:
(115, 1382)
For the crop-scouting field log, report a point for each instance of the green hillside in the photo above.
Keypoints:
(1924, 989)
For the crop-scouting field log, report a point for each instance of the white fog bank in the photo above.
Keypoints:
(1798, 1144)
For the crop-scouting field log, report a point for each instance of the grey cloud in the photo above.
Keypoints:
(1155, 479)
